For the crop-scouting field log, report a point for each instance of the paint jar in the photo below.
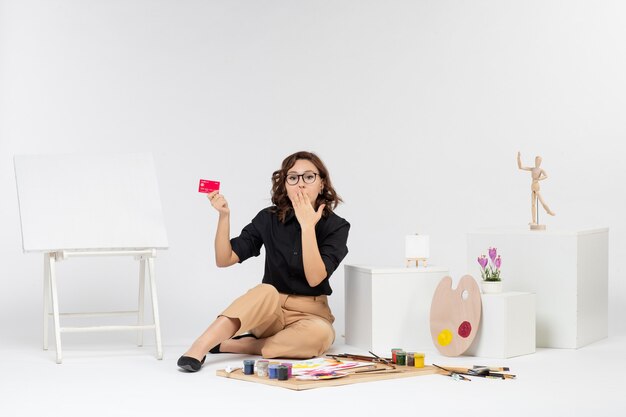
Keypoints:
(262, 368)
(289, 368)
(419, 359)
(248, 367)
(401, 358)
(410, 359)
(273, 368)
(393, 354)
(282, 373)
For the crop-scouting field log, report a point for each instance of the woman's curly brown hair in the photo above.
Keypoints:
(281, 200)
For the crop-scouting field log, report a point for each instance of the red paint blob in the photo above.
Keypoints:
(465, 329)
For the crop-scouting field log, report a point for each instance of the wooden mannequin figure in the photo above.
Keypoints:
(537, 174)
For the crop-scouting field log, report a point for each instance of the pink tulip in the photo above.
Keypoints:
(482, 260)
(498, 262)
(492, 254)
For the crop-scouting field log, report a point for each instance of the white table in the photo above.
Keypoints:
(389, 307)
(568, 272)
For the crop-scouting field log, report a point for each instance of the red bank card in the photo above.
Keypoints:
(207, 186)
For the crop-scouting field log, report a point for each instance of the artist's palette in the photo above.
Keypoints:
(455, 315)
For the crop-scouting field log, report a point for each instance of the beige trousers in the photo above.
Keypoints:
(294, 326)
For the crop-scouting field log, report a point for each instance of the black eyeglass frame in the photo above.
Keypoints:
(315, 175)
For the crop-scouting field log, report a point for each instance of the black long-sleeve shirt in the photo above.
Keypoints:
(284, 268)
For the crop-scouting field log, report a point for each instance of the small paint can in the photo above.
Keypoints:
(273, 368)
(248, 367)
(410, 359)
(262, 368)
(282, 373)
(401, 358)
(419, 359)
(393, 354)
(289, 368)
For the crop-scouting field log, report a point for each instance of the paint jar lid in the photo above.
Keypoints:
(274, 365)
(248, 362)
(418, 355)
(401, 353)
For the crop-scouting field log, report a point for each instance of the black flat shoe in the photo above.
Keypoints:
(190, 364)
(216, 349)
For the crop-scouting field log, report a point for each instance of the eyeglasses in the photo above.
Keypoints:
(307, 177)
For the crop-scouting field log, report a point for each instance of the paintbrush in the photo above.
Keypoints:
(503, 376)
(455, 375)
(367, 368)
(378, 371)
(355, 357)
(493, 368)
(385, 361)
(480, 372)
(363, 358)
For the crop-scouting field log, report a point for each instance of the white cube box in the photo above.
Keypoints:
(566, 270)
(507, 326)
(390, 307)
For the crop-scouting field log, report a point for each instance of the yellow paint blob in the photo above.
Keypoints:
(445, 337)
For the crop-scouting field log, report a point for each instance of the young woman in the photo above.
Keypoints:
(287, 316)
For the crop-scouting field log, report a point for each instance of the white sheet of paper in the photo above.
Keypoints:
(89, 202)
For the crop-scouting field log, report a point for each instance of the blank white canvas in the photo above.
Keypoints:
(89, 202)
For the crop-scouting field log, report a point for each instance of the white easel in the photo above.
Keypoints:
(50, 299)
(95, 205)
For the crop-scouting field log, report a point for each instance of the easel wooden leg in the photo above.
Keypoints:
(155, 308)
(142, 286)
(410, 261)
(46, 298)
(55, 306)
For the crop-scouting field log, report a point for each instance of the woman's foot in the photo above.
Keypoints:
(190, 364)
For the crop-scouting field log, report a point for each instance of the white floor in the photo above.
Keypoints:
(116, 380)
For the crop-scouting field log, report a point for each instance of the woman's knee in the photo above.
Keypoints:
(264, 290)
(302, 340)
(319, 336)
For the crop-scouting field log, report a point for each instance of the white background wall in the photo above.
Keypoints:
(417, 107)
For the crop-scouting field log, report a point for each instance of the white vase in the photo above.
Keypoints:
(491, 287)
